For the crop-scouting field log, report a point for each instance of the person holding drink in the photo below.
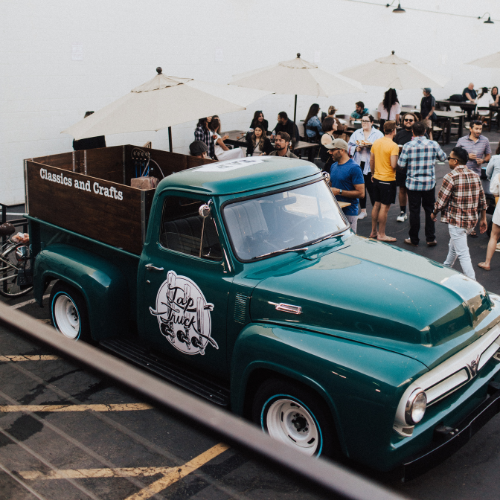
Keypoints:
(478, 149)
(359, 148)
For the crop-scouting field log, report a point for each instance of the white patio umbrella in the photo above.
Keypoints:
(491, 61)
(393, 72)
(297, 77)
(163, 102)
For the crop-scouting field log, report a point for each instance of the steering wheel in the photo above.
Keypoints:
(303, 222)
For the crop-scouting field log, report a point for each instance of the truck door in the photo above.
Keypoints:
(183, 286)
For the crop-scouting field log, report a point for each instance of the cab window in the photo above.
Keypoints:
(181, 229)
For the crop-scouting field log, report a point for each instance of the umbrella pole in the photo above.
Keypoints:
(170, 138)
(295, 111)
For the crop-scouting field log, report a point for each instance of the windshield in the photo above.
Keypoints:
(284, 220)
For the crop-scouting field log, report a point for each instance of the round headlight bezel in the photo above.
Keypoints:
(415, 397)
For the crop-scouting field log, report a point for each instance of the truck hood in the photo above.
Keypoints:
(376, 294)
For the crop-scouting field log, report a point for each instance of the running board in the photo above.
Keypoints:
(169, 370)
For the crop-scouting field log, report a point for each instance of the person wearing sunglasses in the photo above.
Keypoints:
(402, 137)
(359, 147)
(460, 200)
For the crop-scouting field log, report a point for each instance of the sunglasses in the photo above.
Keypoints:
(451, 158)
(411, 121)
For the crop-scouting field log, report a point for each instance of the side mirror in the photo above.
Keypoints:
(204, 211)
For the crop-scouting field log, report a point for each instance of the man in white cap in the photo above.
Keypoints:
(427, 108)
(346, 179)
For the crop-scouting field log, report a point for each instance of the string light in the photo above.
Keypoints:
(488, 21)
(397, 10)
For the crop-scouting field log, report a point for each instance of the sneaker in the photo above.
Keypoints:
(362, 215)
(409, 242)
(402, 217)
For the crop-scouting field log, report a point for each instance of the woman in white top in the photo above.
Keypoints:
(389, 108)
(359, 147)
(484, 100)
(493, 173)
(222, 152)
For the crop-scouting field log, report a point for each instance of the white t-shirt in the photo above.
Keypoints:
(484, 102)
(395, 110)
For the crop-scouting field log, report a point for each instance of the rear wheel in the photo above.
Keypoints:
(293, 415)
(69, 312)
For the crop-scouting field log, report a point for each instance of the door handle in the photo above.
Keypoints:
(150, 267)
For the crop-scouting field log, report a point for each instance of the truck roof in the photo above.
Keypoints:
(238, 176)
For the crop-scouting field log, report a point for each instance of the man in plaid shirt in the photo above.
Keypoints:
(203, 133)
(418, 158)
(460, 199)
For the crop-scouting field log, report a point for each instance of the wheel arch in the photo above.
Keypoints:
(101, 284)
(355, 380)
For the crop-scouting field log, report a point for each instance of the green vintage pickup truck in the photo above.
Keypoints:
(245, 285)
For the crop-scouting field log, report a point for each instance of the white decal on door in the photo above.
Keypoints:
(184, 315)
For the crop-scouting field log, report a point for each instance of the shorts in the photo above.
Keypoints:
(401, 178)
(384, 192)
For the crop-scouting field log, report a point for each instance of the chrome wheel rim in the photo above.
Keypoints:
(66, 317)
(291, 423)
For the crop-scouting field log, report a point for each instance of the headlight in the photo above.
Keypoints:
(415, 407)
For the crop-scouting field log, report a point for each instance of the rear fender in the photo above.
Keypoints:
(101, 284)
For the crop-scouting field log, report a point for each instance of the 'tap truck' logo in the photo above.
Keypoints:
(184, 315)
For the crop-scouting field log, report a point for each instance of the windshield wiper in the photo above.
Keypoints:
(299, 248)
(328, 236)
(278, 252)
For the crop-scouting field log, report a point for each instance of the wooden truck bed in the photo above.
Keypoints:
(89, 191)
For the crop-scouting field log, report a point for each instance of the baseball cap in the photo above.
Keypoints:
(337, 144)
(197, 148)
(427, 89)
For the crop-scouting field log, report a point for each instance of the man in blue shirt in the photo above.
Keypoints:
(360, 111)
(346, 179)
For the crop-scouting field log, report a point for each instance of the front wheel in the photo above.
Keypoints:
(69, 312)
(294, 416)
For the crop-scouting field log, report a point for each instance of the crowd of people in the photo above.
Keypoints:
(407, 159)
(376, 162)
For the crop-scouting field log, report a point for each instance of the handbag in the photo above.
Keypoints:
(495, 185)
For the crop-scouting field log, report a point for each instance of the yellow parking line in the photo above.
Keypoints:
(170, 474)
(40, 357)
(89, 473)
(177, 473)
(59, 408)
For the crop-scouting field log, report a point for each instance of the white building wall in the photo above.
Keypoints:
(43, 90)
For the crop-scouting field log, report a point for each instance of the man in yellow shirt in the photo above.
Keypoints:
(383, 162)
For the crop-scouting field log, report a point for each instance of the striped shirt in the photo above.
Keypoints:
(460, 198)
(419, 157)
(481, 148)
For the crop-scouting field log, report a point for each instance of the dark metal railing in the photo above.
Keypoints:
(321, 475)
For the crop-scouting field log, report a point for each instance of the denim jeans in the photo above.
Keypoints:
(458, 248)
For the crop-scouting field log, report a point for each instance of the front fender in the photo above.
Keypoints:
(361, 384)
(101, 284)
